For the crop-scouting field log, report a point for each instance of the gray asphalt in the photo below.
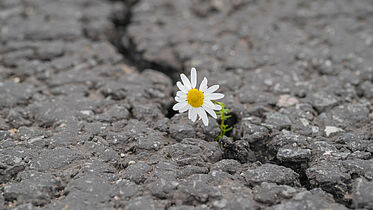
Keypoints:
(87, 88)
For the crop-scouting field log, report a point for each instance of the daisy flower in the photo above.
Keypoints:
(196, 101)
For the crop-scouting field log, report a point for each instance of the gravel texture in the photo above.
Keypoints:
(87, 86)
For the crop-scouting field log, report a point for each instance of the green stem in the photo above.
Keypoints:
(222, 116)
(221, 127)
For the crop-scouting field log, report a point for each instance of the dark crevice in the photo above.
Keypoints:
(170, 112)
(127, 47)
(260, 149)
(300, 168)
(243, 151)
(231, 122)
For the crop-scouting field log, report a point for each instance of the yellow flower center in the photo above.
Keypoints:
(195, 98)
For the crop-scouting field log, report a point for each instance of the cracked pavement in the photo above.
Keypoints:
(87, 86)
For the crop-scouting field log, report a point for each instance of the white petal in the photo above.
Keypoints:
(193, 77)
(208, 103)
(180, 94)
(181, 87)
(212, 89)
(217, 107)
(182, 110)
(214, 96)
(203, 115)
(203, 86)
(180, 99)
(186, 81)
(210, 111)
(180, 105)
(193, 114)
(190, 113)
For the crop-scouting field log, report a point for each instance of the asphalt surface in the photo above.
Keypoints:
(86, 96)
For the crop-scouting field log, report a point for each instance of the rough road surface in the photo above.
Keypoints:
(86, 90)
